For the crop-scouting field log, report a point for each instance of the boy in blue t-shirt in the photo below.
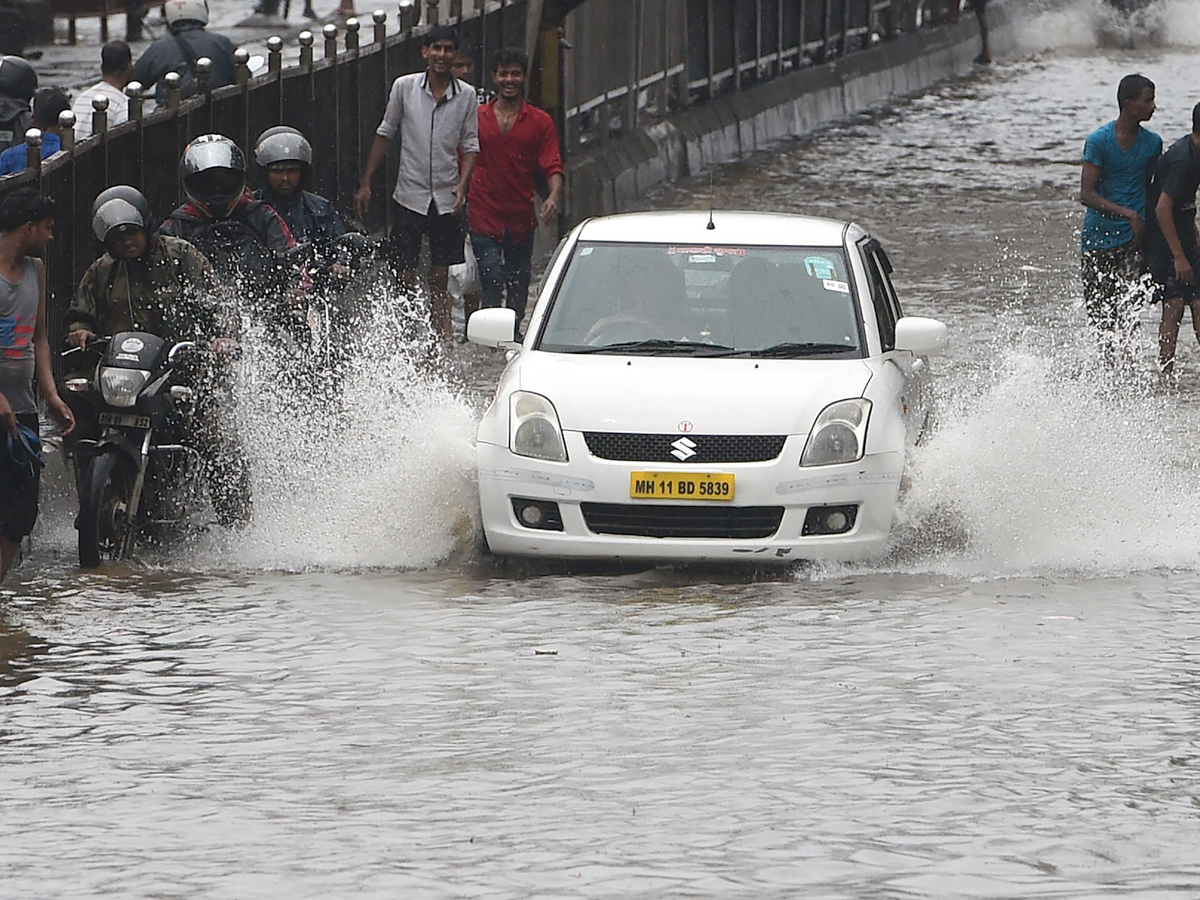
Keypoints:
(1118, 159)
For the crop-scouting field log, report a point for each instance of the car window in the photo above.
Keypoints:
(704, 300)
(881, 300)
(885, 271)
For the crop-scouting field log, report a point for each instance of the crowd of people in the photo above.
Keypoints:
(1139, 238)
(466, 181)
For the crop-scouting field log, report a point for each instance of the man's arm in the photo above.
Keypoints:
(464, 180)
(1165, 210)
(375, 158)
(83, 319)
(550, 161)
(1090, 197)
(468, 145)
(41, 360)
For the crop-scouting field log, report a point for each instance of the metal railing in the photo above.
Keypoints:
(602, 68)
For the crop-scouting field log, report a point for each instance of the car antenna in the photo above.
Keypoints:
(710, 226)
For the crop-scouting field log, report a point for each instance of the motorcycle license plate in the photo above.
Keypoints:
(703, 486)
(125, 420)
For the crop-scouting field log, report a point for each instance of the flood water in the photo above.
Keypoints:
(348, 701)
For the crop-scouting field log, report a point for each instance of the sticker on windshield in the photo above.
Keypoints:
(586, 251)
(819, 267)
(831, 284)
(715, 251)
(702, 258)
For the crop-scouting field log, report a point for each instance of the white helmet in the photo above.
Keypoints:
(186, 10)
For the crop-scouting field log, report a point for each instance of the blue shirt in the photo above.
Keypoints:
(1124, 175)
(13, 159)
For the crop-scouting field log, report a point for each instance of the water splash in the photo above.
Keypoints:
(1050, 462)
(371, 466)
(1086, 24)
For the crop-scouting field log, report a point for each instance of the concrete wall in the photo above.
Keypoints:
(613, 177)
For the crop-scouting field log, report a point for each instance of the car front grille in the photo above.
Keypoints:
(682, 521)
(676, 448)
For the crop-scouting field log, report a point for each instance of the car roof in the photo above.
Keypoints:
(736, 227)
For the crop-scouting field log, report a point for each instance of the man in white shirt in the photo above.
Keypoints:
(116, 67)
(436, 118)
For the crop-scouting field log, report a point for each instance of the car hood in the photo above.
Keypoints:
(665, 395)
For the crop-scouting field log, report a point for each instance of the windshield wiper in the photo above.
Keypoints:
(793, 349)
(649, 346)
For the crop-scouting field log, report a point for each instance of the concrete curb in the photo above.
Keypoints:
(613, 177)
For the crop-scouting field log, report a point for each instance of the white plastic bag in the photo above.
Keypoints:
(463, 278)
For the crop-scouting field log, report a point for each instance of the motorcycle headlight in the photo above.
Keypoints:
(533, 428)
(120, 387)
(839, 435)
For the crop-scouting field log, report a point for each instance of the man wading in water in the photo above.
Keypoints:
(1172, 244)
(1117, 161)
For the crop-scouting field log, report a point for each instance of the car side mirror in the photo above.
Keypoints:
(492, 327)
(921, 336)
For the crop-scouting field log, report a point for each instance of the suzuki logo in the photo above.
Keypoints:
(683, 449)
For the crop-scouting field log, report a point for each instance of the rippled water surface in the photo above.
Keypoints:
(347, 701)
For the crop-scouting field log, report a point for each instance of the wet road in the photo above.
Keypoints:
(348, 702)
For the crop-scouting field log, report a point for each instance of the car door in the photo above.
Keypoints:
(911, 371)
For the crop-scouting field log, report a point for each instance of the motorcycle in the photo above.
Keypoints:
(136, 473)
(334, 299)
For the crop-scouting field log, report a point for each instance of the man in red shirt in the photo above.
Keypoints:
(516, 141)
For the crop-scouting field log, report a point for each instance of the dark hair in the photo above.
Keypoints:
(1132, 87)
(22, 206)
(47, 104)
(440, 33)
(510, 56)
(115, 56)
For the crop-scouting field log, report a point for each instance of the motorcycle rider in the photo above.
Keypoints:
(163, 285)
(18, 84)
(285, 157)
(245, 239)
(178, 51)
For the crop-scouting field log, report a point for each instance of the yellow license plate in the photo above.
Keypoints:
(704, 486)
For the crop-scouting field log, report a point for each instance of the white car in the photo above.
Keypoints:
(729, 386)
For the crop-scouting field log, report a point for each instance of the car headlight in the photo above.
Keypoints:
(533, 428)
(120, 387)
(839, 434)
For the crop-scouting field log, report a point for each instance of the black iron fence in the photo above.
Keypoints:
(601, 67)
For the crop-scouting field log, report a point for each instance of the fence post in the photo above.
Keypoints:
(133, 91)
(379, 17)
(241, 66)
(275, 55)
(409, 13)
(306, 50)
(330, 34)
(66, 130)
(33, 150)
(352, 27)
(635, 49)
(100, 115)
(456, 9)
(174, 95)
(204, 75)
(431, 12)
(712, 50)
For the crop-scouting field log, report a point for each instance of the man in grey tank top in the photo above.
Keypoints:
(26, 224)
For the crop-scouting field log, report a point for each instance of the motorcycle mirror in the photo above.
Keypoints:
(183, 348)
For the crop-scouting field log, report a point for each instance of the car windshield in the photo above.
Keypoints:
(729, 300)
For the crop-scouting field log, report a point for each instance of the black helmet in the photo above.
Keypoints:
(213, 171)
(118, 206)
(282, 144)
(17, 78)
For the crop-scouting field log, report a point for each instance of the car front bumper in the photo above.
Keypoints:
(871, 484)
